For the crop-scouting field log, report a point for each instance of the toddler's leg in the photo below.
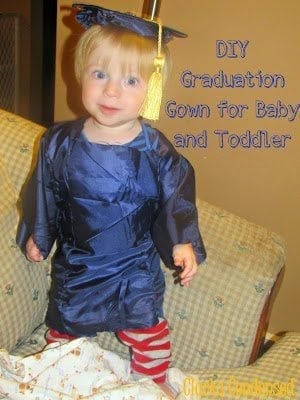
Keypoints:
(53, 336)
(151, 350)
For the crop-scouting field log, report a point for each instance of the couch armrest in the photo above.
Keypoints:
(18, 146)
(220, 320)
(23, 285)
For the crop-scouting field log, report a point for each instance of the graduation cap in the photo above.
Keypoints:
(89, 15)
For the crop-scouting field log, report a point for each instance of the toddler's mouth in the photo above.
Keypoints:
(108, 110)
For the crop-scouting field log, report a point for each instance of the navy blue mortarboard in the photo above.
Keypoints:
(89, 15)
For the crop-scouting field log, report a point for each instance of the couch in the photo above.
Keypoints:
(218, 325)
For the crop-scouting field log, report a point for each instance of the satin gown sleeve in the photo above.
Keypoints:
(39, 210)
(177, 221)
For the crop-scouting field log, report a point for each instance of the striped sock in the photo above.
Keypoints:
(53, 336)
(151, 352)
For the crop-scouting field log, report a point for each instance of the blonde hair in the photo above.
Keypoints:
(136, 51)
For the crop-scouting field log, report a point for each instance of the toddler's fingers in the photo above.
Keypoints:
(33, 254)
(186, 282)
(178, 261)
(36, 257)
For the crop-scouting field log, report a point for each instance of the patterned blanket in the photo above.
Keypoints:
(75, 370)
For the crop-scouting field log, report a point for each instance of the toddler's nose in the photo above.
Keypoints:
(112, 89)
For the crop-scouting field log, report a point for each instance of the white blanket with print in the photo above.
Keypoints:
(79, 369)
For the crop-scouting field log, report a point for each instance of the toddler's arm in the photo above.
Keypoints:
(32, 251)
(184, 257)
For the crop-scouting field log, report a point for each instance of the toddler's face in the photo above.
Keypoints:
(113, 96)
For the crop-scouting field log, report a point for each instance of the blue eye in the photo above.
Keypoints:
(132, 81)
(99, 74)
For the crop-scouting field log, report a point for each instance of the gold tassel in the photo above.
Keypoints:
(151, 106)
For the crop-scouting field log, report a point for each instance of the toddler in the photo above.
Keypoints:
(114, 195)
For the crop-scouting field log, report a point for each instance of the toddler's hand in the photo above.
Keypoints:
(32, 251)
(184, 257)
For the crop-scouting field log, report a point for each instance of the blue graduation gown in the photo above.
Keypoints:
(113, 211)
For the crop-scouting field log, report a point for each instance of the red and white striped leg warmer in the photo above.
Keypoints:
(151, 350)
(53, 336)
